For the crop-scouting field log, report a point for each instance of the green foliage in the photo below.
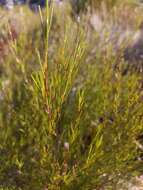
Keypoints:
(65, 122)
(80, 5)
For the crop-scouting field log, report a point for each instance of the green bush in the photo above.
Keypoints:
(66, 123)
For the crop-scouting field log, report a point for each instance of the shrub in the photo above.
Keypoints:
(67, 122)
